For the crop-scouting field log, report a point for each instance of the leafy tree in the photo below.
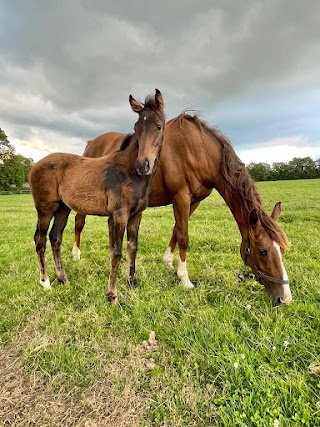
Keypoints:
(11, 173)
(302, 168)
(6, 149)
(27, 164)
(14, 168)
(317, 166)
(260, 171)
(280, 171)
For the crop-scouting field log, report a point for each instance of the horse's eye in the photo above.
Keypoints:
(263, 252)
(159, 127)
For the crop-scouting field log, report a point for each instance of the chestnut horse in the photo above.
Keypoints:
(195, 160)
(116, 185)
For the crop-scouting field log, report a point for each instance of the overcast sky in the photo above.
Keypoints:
(251, 67)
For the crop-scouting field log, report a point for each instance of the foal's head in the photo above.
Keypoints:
(262, 250)
(149, 129)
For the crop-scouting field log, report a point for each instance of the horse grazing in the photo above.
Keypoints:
(195, 160)
(116, 185)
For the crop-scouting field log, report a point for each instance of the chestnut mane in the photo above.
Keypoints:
(238, 179)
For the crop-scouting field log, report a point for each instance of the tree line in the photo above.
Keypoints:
(14, 168)
(297, 168)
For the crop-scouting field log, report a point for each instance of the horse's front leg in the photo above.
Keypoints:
(182, 212)
(132, 247)
(181, 207)
(116, 231)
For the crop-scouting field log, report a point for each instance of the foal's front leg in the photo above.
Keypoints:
(132, 247)
(117, 226)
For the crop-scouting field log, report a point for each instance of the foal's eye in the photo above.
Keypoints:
(159, 127)
(263, 252)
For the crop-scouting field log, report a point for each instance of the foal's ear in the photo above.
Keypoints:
(276, 211)
(135, 105)
(253, 218)
(159, 101)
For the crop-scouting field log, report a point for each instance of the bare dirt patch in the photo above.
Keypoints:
(33, 400)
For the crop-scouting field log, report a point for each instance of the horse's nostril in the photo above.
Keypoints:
(147, 165)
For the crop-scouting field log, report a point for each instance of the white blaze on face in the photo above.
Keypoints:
(287, 297)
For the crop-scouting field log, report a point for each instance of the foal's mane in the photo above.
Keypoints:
(238, 179)
(126, 141)
(150, 103)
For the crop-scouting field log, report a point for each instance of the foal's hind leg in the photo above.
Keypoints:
(132, 247)
(79, 222)
(40, 240)
(117, 225)
(60, 221)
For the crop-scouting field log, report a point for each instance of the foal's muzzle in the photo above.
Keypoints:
(143, 167)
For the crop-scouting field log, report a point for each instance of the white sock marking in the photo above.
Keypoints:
(45, 283)
(183, 274)
(168, 258)
(76, 252)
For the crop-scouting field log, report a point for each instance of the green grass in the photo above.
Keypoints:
(217, 363)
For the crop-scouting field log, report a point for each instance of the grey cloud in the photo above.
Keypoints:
(86, 57)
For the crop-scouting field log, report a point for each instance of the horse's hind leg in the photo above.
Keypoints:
(40, 239)
(132, 247)
(79, 222)
(60, 221)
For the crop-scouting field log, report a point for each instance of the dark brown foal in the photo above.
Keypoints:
(116, 185)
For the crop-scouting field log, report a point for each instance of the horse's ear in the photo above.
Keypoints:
(135, 105)
(276, 211)
(253, 218)
(159, 101)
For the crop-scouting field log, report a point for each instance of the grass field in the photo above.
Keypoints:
(69, 358)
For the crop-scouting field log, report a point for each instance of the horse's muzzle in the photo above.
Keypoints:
(143, 167)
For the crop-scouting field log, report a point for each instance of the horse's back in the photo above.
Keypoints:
(104, 144)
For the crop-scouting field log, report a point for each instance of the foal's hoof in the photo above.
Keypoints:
(132, 282)
(112, 298)
(45, 283)
(62, 280)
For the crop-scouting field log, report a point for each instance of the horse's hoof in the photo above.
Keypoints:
(187, 284)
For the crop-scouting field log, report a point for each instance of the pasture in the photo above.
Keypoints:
(223, 355)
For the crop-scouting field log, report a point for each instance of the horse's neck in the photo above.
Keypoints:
(238, 204)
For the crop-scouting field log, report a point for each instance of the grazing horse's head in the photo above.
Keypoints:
(262, 250)
(149, 129)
